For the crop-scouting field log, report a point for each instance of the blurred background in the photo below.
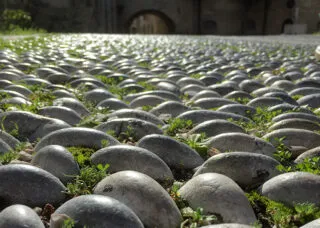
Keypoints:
(209, 17)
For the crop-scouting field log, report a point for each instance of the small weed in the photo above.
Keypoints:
(241, 100)
(128, 135)
(177, 126)
(147, 108)
(181, 203)
(147, 86)
(283, 154)
(82, 155)
(297, 97)
(8, 157)
(196, 142)
(96, 117)
(105, 143)
(87, 180)
(196, 76)
(261, 120)
(145, 65)
(68, 223)
(272, 213)
(310, 165)
(194, 219)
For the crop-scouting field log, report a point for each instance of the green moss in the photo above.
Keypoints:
(82, 155)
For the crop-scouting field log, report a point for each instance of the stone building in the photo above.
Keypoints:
(223, 17)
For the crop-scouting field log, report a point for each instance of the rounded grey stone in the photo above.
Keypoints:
(214, 102)
(146, 100)
(30, 126)
(73, 104)
(9, 139)
(304, 91)
(285, 107)
(217, 193)
(58, 78)
(65, 114)
(15, 101)
(134, 189)
(76, 136)
(99, 211)
(170, 87)
(4, 147)
(12, 94)
(299, 115)
(20, 216)
(283, 84)
(78, 82)
(308, 82)
(60, 93)
(161, 93)
(135, 128)
(29, 185)
(215, 127)
(126, 157)
(4, 83)
(249, 170)
(204, 94)
(58, 161)
(175, 154)
(97, 95)
(20, 89)
(7, 75)
(192, 90)
(223, 89)
(188, 81)
(283, 96)
(238, 95)
(292, 188)
(228, 142)
(239, 109)
(250, 85)
(312, 100)
(260, 92)
(312, 224)
(295, 123)
(112, 104)
(314, 152)
(294, 137)
(265, 102)
(138, 114)
(210, 80)
(198, 116)
(172, 108)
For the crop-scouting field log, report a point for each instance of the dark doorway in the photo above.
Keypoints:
(287, 21)
(150, 22)
(250, 27)
(209, 27)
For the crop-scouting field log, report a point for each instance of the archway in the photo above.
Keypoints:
(150, 22)
(287, 21)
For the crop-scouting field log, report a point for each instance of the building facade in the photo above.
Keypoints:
(216, 17)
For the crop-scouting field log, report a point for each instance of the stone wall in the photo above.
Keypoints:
(179, 12)
(227, 14)
(308, 14)
(224, 17)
